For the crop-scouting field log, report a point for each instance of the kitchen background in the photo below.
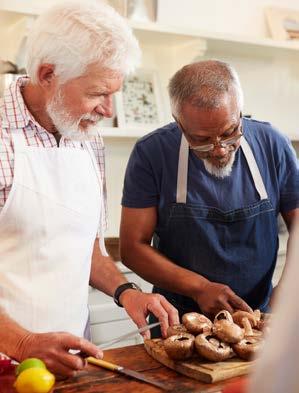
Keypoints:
(256, 36)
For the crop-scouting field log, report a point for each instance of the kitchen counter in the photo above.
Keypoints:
(99, 380)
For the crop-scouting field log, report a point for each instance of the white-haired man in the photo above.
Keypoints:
(52, 187)
(208, 189)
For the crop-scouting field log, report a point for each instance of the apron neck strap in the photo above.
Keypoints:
(182, 177)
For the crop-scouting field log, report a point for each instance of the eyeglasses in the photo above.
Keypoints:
(222, 142)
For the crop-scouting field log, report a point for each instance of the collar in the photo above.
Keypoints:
(15, 113)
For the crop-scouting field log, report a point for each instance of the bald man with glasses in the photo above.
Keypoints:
(202, 195)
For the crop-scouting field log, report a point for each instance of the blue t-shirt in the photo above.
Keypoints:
(151, 175)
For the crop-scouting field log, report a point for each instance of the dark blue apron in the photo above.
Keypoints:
(237, 248)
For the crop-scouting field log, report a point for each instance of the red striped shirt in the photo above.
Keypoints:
(15, 115)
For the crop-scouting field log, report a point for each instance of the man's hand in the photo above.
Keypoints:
(215, 297)
(138, 305)
(53, 349)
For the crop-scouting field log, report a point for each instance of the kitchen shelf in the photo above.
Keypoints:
(124, 132)
(173, 35)
(147, 32)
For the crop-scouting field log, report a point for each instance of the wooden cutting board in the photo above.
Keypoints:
(197, 368)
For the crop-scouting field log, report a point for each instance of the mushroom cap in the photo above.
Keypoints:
(248, 347)
(227, 331)
(176, 329)
(180, 346)
(239, 315)
(223, 315)
(196, 323)
(211, 348)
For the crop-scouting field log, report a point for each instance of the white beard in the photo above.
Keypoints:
(220, 172)
(69, 127)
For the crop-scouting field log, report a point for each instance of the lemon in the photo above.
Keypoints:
(29, 363)
(35, 380)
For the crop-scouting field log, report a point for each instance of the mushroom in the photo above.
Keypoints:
(176, 329)
(180, 346)
(247, 348)
(248, 331)
(225, 328)
(238, 317)
(196, 323)
(263, 323)
(209, 347)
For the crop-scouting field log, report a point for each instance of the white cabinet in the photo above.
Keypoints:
(107, 319)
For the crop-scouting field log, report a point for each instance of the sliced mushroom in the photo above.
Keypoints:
(209, 347)
(238, 317)
(249, 331)
(176, 329)
(196, 323)
(179, 347)
(248, 347)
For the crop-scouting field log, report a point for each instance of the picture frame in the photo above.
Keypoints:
(283, 23)
(139, 104)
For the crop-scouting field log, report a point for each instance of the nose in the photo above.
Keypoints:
(219, 151)
(105, 108)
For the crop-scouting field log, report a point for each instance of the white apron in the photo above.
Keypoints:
(48, 226)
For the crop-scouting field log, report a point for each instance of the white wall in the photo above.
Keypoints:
(244, 17)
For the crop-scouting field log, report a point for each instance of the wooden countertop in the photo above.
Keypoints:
(98, 380)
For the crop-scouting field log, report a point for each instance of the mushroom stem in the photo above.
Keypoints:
(247, 327)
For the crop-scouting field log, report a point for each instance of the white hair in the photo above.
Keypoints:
(204, 84)
(73, 35)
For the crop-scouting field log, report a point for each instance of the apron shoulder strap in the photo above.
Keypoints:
(254, 170)
(102, 219)
(182, 177)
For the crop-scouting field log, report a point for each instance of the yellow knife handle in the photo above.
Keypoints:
(103, 363)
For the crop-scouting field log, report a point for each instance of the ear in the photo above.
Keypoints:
(45, 75)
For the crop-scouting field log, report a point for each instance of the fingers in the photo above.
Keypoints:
(53, 349)
(161, 315)
(173, 314)
(77, 343)
(164, 311)
(140, 321)
(239, 304)
(226, 306)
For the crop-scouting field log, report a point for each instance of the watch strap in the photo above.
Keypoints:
(123, 287)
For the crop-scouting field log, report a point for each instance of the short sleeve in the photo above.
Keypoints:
(288, 172)
(140, 185)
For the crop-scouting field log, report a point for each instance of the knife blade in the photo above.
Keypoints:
(128, 372)
(106, 344)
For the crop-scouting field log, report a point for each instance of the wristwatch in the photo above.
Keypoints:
(123, 287)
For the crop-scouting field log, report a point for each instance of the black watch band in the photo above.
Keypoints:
(123, 287)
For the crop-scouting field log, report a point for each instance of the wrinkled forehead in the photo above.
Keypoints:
(210, 121)
(97, 77)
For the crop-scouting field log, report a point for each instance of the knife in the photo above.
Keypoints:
(130, 373)
(106, 344)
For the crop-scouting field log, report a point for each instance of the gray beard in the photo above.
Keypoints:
(69, 127)
(220, 172)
